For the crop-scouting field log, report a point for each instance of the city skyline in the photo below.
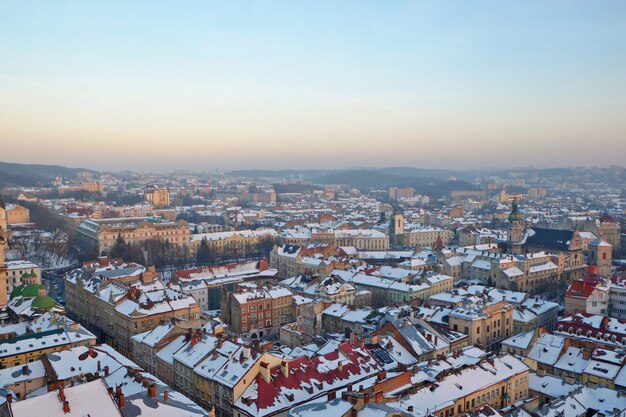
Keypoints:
(155, 87)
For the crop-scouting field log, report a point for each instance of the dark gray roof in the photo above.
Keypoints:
(550, 239)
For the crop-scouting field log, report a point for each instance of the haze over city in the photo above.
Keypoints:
(326, 208)
(157, 86)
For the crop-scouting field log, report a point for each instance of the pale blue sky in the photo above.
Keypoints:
(153, 85)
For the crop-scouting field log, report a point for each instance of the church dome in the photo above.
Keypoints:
(43, 302)
(31, 290)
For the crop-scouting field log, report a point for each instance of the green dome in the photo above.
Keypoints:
(44, 302)
(31, 290)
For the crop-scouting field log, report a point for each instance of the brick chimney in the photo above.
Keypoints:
(120, 400)
(332, 395)
(166, 396)
(152, 391)
(66, 407)
(106, 371)
(284, 368)
(61, 394)
(379, 397)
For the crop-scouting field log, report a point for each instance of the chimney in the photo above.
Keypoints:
(235, 339)
(120, 400)
(215, 354)
(118, 390)
(246, 352)
(99, 366)
(382, 375)
(61, 394)
(332, 395)
(66, 407)
(166, 396)
(152, 391)
(379, 397)
(264, 370)
(340, 366)
(9, 398)
(586, 354)
(284, 367)
(25, 370)
(110, 390)
(106, 371)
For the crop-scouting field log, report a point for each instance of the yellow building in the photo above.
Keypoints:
(27, 348)
(236, 242)
(486, 325)
(17, 214)
(158, 197)
(362, 239)
(498, 382)
(103, 233)
(92, 187)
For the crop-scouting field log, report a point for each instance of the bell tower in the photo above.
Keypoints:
(516, 229)
(396, 229)
(601, 256)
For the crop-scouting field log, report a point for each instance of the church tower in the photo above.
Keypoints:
(516, 229)
(3, 243)
(396, 229)
(601, 255)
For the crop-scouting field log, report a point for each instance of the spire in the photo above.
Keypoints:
(515, 213)
(438, 244)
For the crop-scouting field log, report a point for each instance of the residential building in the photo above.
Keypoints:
(486, 324)
(258, 312)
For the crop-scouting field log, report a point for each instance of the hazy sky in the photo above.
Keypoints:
(265, 84)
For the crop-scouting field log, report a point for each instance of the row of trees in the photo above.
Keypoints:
(166, 255)
(207, 255)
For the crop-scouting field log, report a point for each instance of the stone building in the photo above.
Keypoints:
(103, 233)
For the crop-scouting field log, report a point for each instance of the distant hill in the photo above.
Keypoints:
(27, 175)
(422, 172)
(368, 178)
(285, 173)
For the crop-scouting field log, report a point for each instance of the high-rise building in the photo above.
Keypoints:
(158, 197)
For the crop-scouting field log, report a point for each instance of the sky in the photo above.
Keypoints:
(220, 85)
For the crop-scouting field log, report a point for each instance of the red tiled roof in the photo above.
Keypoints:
(583, 287)
(305, 376)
